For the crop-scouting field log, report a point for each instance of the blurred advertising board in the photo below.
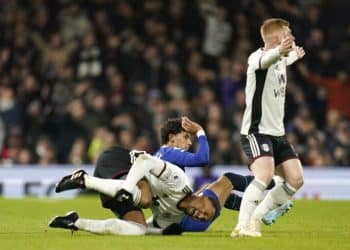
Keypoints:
(38, 181)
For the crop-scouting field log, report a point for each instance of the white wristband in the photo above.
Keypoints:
(200, 132)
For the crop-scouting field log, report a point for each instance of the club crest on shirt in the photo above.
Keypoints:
(265, 147)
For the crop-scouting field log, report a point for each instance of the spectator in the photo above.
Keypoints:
(99, 71)
(77, 155)
(337, 88)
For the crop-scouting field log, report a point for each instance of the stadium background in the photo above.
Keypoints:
(79, 76)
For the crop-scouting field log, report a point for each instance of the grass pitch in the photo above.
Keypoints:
(309, 225)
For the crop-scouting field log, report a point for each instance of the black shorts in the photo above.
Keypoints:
(258, 145)
(114, 163)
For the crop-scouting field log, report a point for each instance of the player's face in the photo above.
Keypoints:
(182, 140)
(201, 209)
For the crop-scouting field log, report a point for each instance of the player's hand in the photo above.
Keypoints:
(300, 51)
(190, 126)
(286, 46)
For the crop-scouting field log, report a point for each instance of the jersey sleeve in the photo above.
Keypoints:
(184, 158)
(254, 59)
(292, 57)
(263, 59)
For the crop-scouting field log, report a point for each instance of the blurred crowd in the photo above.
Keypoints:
(79, 76)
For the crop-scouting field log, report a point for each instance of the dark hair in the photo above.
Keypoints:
(171, 126)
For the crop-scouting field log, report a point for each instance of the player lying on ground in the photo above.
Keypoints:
(173, 198)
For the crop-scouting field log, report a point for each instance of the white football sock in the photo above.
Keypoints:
(110, 226)
(251, 197)
(109, 187)
(274, 198)
(143, 165)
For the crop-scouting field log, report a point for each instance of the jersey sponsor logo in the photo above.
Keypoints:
(280, 92)
(281, 79)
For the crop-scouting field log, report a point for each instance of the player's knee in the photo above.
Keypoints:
(263, 169)
(299, 182)
(296, 182)
(265, 177)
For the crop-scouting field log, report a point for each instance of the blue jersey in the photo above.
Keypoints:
(189, 224)
(183, 158)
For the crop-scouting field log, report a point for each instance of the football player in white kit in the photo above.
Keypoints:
(262, 133)
(169, 184)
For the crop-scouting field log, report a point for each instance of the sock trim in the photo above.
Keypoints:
(288, 189)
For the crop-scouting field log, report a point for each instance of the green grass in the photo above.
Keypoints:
(309, 225)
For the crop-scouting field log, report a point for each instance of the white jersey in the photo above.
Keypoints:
(265, 95)
(168, 190)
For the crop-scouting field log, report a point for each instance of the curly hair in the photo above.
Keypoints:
(171, 126)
